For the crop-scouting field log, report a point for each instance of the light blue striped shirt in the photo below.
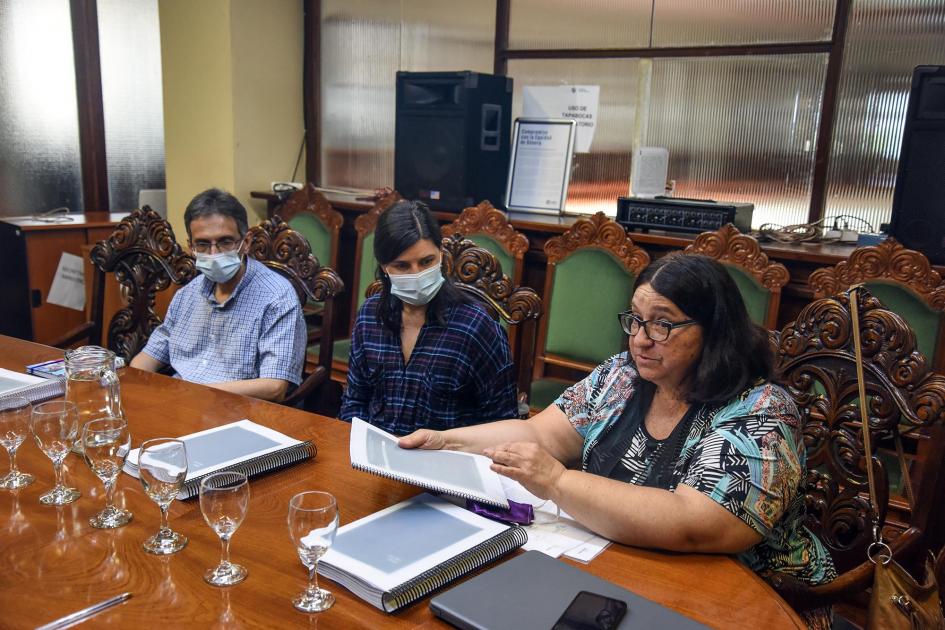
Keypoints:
(257, 333)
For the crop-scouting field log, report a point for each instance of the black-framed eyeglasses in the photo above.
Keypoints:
(655, 329)
(222, 246)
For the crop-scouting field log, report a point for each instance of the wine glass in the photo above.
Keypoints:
(14, 427)
(162, 467)
(55, 425)
(224, 500)
(105, 445)
(313, 521)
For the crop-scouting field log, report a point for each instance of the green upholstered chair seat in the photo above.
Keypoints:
(922, 319)
(340, 350)
(317, 235)
(756, 297)
(545, 391)
(367, 270)
(590, 288)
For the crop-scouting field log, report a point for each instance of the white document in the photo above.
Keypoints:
(453, 472)
(68, 285)
(223, 446)
(12, 383)
(576, 102)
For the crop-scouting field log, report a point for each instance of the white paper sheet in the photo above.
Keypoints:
(574, 102)
(68, 285)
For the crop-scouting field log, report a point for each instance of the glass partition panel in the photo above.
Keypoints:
(40, 166)
(603, 174)
(871, 107)
(740, 129)
(363, 46)
(721, 22)
(130, 49)
(579, 23)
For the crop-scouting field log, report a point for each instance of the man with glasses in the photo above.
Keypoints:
(238, 326)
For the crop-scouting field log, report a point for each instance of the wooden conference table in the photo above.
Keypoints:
(53, 563)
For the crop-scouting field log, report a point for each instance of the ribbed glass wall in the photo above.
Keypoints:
(130, 49)
(579, 23)
(740, 129)
(364, 44)
(603, 174)
(39, 129)
(726, 22)
(886, 39)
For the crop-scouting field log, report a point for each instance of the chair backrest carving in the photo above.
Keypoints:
(815, 362)
(364, 266)
(310, 203)
(145, 258)
(730, 247)
(484, 220)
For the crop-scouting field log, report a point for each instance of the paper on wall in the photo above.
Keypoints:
(68, 285)
(574, 102)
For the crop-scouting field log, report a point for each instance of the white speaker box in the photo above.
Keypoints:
(648, 171)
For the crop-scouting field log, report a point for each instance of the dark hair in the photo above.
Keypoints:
(398, 228)
(735, 350)
(215, 201)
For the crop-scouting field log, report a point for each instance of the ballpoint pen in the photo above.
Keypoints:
(85, 613)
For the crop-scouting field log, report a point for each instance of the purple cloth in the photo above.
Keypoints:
(521, 513)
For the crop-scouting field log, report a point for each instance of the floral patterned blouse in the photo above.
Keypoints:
(747, 455)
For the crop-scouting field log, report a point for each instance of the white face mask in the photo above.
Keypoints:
(417, 288)
(219, 267)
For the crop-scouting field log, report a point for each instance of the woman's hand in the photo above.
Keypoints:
(529, 464)
(423, 438)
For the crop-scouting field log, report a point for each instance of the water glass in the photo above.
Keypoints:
(162, 467)
(105, 445)
(224, 501)
(54, 425)
(313, 522)
(14, 427)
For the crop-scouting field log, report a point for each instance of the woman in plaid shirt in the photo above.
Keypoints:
(422, 355)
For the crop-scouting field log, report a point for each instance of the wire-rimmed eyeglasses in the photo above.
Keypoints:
(224, 245)
(655, 329)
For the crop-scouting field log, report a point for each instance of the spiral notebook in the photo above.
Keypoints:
(400, 554)
(241, 446)
(33, 388)
(463, 475)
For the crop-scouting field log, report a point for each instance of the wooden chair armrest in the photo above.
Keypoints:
(82, 331)
(318, 376)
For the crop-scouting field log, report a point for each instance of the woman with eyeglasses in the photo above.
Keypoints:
(422, 355)
(682, 443)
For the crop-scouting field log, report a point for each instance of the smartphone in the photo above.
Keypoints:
(590, 611)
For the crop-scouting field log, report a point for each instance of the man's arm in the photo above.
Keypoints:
(273, 389)
(144, 361)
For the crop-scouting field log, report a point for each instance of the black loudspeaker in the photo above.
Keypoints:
(918, 214)
(452, 138)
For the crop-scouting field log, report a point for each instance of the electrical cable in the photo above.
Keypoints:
(55, 215)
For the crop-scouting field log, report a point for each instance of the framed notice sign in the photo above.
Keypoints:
(540, 168)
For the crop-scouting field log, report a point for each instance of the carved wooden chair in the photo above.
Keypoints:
(309, 213)
(364, 269)
(287, 252)
(589, 279)
(903, 280)
(759, 280)
(490, 228)
(146, 259)
(815, 362)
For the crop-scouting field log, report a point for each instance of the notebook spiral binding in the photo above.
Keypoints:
(454, 568)
(258, 465)
(41, 391)
(427, 485)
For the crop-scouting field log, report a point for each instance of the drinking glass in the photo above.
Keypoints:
(14, 427)
(313, 521)
(105, 445)
(162, 467)
(55, 425)
(224, 500)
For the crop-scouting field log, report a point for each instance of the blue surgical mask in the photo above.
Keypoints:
(219, 267)
(417, 288)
